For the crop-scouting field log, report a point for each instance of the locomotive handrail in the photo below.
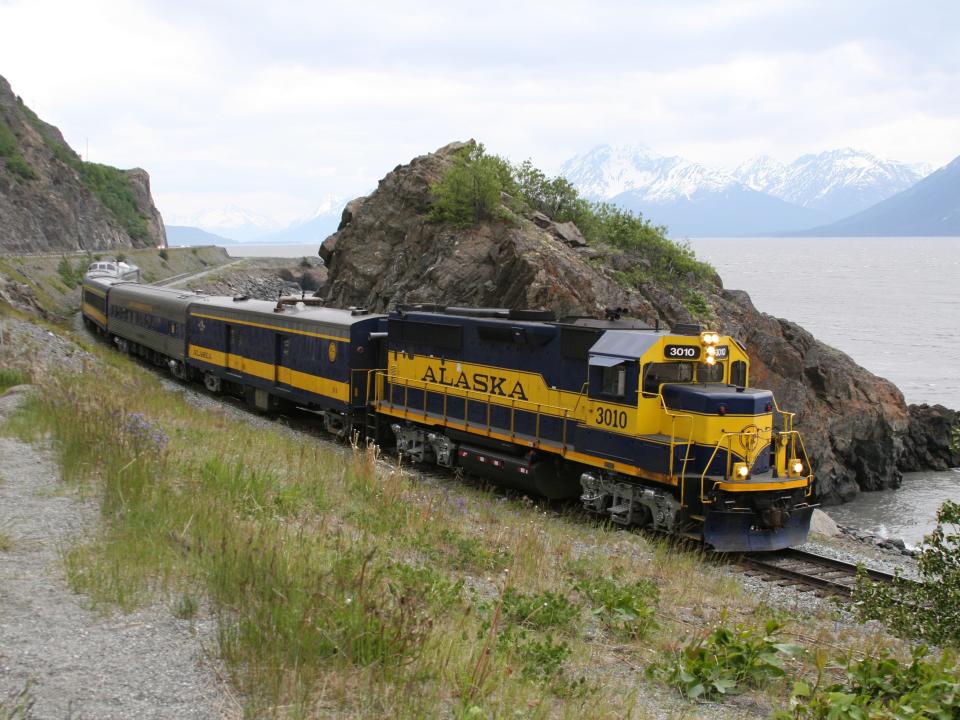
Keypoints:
(673, 415)
(787, 416)
(512, 403)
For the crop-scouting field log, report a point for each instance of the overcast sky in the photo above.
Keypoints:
(270, 106)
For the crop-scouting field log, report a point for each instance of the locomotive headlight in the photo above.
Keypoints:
(710, 360)
(711, 350)
(795, 467)
(714, 338)
(741, 471)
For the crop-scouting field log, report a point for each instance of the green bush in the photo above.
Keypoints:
(20, 167)
(626, 608)
(474, 187)
(112, 187)
(930, 609)
(881, 688)
(71, 276)
(726, 662)
(540, 610)
(471, 188)
(15, 162)
(555, 197)
(164, 255)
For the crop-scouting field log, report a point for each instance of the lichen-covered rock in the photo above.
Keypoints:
(387, 251)
(45, 205)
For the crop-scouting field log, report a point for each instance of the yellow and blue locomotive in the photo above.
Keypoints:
(648, 427)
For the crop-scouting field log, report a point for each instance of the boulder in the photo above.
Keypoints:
(927, 444)
(823, 525)
(570, 234)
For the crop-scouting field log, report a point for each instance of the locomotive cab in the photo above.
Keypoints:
(736, 463)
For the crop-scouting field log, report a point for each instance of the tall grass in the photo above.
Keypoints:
(9, 377)
(342, 584)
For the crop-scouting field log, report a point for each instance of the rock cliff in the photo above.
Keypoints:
(857, 428)
(51, 200)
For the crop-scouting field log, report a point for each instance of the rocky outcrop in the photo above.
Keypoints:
(386, 252)
(856, 425)
(50, 200)
(262, 279)
(928, 442)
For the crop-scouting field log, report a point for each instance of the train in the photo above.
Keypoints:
(649, 427)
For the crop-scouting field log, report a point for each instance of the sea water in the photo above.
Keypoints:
(893, 305)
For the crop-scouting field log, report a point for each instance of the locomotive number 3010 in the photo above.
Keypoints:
(682, 352)
(611, 418)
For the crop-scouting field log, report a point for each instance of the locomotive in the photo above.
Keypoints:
(649, 427)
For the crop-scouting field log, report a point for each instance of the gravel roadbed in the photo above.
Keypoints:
(79, 663)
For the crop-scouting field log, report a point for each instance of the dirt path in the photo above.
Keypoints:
(80, 664)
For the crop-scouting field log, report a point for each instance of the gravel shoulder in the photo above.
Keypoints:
(81, 664)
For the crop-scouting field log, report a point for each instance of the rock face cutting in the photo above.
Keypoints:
(859, 432)
(50, 200)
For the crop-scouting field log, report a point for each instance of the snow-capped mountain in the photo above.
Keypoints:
(232, 222)
(315, 227)
(837, 183)
(607, 171)
(759, 196)
(931, 207)
(689, 198)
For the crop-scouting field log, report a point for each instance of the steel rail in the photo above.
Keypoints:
(815, 571)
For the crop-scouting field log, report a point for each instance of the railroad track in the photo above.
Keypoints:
(805, 570)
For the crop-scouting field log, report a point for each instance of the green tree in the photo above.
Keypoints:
(555, 197)
(930, 609)
(470, 190)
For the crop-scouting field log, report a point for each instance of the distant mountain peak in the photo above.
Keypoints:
(928, 207)
(836, 182)
(606, 171)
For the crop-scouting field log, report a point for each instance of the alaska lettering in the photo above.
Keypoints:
(478, 382)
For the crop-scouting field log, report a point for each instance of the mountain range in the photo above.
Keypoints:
(235, 225)
(931, 207)
(759, 196)
(836, 192)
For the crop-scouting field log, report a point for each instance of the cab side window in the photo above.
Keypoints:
(614, 381)
(738, 373)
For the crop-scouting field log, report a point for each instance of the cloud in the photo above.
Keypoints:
(272, 106)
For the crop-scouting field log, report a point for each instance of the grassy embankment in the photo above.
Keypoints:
(345, 586)
(55, 279)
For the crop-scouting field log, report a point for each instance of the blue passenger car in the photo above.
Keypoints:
(316, 358)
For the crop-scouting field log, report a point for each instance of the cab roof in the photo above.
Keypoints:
(629, 344)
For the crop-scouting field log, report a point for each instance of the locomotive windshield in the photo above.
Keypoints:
(655, 374)
(709, 373)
